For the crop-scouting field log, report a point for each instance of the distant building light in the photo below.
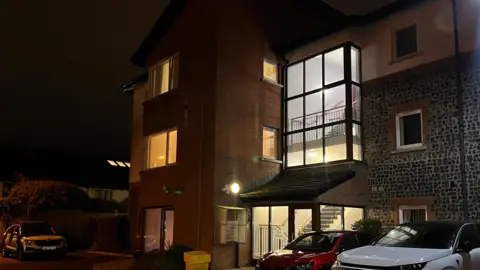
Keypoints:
(111, 162)
(127, 163)
(121, 164)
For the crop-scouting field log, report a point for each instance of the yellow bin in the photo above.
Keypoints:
(196, 260)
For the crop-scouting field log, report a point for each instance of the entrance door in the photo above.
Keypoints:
(169, 218)
(301, 219)
(152, 229)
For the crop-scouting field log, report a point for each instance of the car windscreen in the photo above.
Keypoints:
(36, 229)
(422, 235)
(318, 242)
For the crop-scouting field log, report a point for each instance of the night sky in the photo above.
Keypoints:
(61, 67)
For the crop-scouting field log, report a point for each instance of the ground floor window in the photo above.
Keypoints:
(274, 226)
(410, 213)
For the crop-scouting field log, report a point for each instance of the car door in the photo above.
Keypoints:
(471, 259)
(6, 237)
(15, 238)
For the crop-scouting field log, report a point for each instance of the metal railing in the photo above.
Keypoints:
(260, 240)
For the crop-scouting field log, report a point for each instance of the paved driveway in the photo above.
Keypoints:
(73, 261)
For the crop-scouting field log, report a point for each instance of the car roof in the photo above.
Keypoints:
(31, 223)
(455, 223)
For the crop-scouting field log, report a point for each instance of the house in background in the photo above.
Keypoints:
(251, 137)
(99, 177)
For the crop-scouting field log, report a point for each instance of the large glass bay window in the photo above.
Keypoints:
(322, 108)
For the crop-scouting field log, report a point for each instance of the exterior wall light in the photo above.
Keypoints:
(234, 188)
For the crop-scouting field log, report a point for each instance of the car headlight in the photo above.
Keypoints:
(306, 266)
(29, 242)
(415, 266)
(336, 264)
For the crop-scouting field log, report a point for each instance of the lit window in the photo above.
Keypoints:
(164, 76)
(127, 163)
(269, 143)
(412, 213)
(162, 149)
(409, 129)
(406, 41)
(270, 71)
(121, 164)
(111, 162)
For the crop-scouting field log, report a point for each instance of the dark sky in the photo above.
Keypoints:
(62, 63)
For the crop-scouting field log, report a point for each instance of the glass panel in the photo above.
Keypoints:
(295, 114)
(314, 146)
(269, 142)
(330, 218)
(334, 70)
(355, 58)
(313, 109)
(335, 101)
(279, 225)
(295, 80)
(411, 129)
(357, 142)
(351, 215)
(303, 221)
(269, 71)
(335, 143)
(172, 147)
(356, 103)
(313, 76)
(157, 150)
(295, 149)
(163, 76)
(260, 231)
(169, 219)
(152, 229)
(175, 71)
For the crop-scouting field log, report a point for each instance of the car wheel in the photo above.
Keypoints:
(20, 254)
(4, 252)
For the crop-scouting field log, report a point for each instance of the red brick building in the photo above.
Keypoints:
(264, 97)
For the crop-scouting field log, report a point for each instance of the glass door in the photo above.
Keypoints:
(152, 229)
(301, 219)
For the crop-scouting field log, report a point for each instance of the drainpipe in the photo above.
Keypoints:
(461, 130)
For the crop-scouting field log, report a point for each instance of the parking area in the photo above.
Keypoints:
(73, 261)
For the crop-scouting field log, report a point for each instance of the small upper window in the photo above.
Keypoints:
(406, 41)
(162, 149)
(269, 143)
(270, 71)
(164, 76)
(409, 129)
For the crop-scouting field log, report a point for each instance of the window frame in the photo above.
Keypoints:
(401, 208)
(276, 143)
(398, 117)
(152, 93)
(167, 148)
(265, 78)
(346, 123)
(395, 55)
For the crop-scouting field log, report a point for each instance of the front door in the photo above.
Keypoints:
(152, 229)
(168, 232)
(301, 221)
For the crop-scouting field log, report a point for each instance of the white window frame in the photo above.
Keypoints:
(151, 91)
(398, 131)
(401, 208)
(263, 71)
(146, 162)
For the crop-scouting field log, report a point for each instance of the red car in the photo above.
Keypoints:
(313, 251)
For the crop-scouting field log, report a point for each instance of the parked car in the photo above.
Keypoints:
(27, 238)
(429, 245)
(312, 251)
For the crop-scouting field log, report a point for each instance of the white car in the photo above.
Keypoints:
(429, 245)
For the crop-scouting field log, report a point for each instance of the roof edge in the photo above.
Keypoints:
(130, 86)
(162, 25)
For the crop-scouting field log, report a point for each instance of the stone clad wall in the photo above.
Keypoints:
(432, 172)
